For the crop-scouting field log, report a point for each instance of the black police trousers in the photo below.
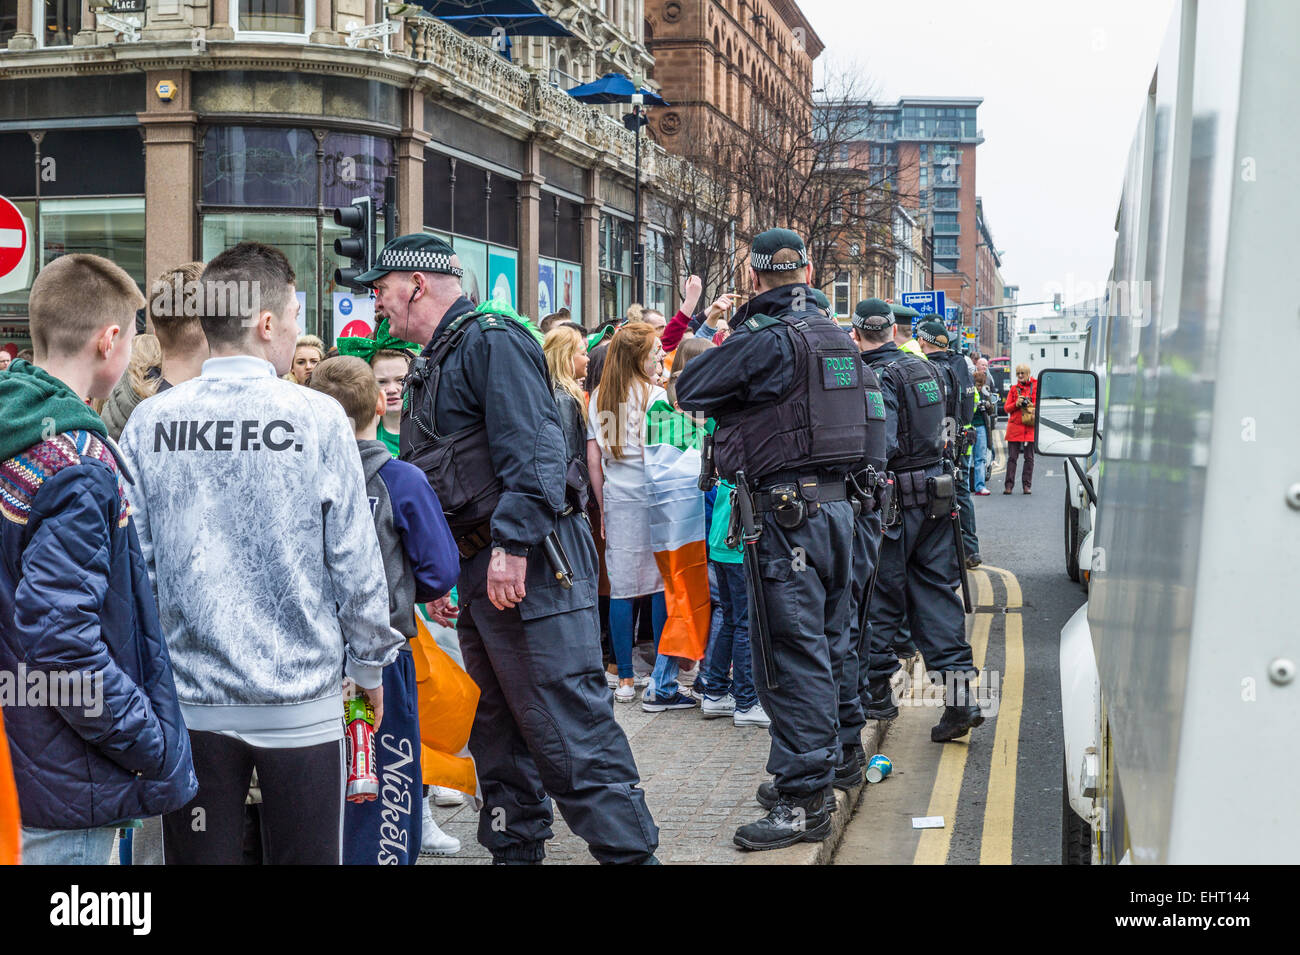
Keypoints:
(806, 575)
(853, 671)
(545, 725)
(917, 585)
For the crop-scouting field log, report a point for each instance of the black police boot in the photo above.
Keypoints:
(849, 772)
(767, 796)
(792, 820)
(958, 719)
(881, 704)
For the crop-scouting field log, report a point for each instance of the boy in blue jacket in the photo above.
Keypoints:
(90, 706)
(421, 563)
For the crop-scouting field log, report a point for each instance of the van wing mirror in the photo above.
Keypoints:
(1065, 413)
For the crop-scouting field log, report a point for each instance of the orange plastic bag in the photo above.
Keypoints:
(447, 700)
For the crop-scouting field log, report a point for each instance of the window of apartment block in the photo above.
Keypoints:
(946, 222)
(841, 290)
(273, 19)
(946, 247)
(61, 19)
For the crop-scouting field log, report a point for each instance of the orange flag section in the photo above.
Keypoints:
(686, 593)
(448, 699)
(10, 822)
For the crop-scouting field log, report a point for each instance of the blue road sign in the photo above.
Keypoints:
(927, 303)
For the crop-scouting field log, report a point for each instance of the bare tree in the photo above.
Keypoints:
(788, 165)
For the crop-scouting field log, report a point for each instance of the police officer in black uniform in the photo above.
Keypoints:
(479, 419)
(918, 574)
(959, 401)
(786, 391)
(869, 489)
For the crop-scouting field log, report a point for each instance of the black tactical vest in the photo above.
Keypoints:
(921, 409)
(876, 437)
(958, 389)
(818, 423)
(459, 465)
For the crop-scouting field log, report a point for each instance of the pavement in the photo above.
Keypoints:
(699, 778)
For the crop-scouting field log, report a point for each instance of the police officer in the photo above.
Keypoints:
(786, 391)
(959, 388)
(868, 489)
(918, 573)
(480, 421)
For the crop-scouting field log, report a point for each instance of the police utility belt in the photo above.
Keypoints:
(935, 493)
(793, 502)
(480, 537)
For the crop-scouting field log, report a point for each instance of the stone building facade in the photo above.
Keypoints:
(217, 125)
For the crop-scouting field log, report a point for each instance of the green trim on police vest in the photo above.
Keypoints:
(756, 323)
(928, 392)
(487, 314)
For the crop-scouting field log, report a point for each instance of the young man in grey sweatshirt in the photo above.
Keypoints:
(255, 525)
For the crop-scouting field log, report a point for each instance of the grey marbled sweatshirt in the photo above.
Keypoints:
(252, 513)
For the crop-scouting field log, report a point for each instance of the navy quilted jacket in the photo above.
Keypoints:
(75, 598)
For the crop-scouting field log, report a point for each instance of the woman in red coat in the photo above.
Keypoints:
(1019, 434)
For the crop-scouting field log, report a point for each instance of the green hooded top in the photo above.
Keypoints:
(35, 406)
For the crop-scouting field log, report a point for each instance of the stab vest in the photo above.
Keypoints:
(817, 423)
(918, 387)
(459, 465)
(876, 438)
(957, 389)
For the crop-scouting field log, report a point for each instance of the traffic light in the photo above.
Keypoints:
(359, 247)
(1056, 302)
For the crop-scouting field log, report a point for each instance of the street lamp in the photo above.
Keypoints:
(633, 121)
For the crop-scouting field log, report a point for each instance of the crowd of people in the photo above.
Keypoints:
(232, 528)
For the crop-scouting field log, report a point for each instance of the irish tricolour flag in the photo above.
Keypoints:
(672, 463)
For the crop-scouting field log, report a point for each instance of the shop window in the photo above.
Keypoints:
(469, 204)
(259, 166)
(92, 162)
(503, 211)
(437, 192)
(113, 228)
(295, 236)
(17, 165)
(354, 165)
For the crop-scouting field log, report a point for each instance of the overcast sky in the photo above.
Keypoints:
(1063, 83)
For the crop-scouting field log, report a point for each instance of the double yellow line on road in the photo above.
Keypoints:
(999, 809)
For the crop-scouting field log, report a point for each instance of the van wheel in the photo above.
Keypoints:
(1076, 835)
(1071, 537)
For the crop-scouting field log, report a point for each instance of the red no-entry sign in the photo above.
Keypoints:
(13, 237)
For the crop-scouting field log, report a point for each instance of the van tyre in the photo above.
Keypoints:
(1076, 835)
(1071, 536)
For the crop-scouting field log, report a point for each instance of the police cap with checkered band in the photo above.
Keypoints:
(412, 253)
(933, 331)
(765, 246)
(873, 315)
